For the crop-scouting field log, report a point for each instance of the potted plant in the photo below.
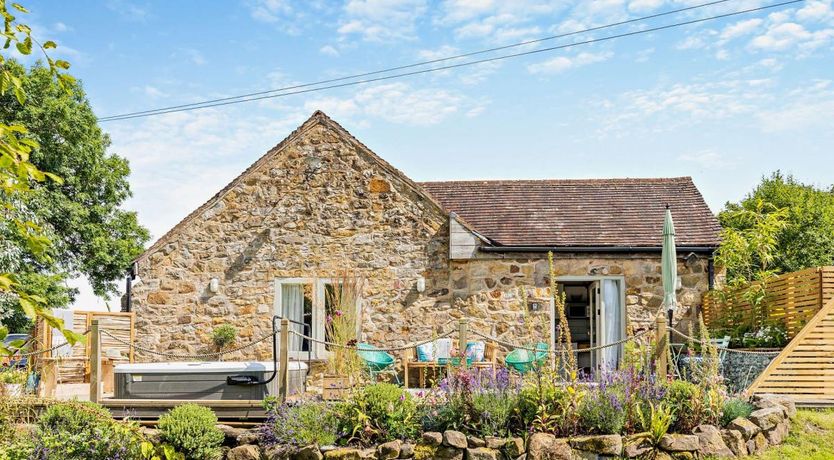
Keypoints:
(341, 330)
(13, 382)
(223, 336)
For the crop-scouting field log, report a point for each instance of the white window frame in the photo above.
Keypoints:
(318, 350)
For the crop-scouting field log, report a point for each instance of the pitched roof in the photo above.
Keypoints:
(587, 212)
(317, 118)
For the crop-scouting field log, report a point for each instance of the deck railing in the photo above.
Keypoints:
(791, 299)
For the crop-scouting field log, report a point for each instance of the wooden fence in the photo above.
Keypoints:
(76, 367)
(792, 299)
(804, 370)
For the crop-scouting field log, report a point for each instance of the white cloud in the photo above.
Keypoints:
(709, 159)
(740, 28)
(329, 50)
(396, 103)
(816, 11)
(786, 35)
(496, 21)
(803, 108)
(193, 55)
(128, 10)
(279, 13)
(643, 6)
(153, 92)
(382, 20)
(562, 63)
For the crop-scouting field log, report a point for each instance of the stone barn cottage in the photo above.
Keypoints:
(320, 203)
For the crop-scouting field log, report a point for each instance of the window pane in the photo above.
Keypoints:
(297, 302)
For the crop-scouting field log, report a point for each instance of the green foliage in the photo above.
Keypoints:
(81, 430)
(656, 420)
(807, 235)
(19, 229)
(693, 405)
(90, 234)
(379, 412)
(13, 376)
(547, 404)
(223, 335)
(473, 401)
(164, 452)
(192, 430)
(601, 411)
(301, 424)
(734, 408)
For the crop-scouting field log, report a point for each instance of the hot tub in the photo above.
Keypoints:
(201, 380)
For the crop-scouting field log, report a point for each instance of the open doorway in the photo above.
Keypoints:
(595, 312)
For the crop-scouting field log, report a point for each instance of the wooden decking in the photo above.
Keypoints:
(151, 409)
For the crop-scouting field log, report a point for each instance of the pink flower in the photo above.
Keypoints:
(338, 313)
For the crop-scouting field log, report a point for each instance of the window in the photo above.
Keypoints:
(306, 302)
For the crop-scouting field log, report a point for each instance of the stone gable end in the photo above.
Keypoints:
(317, 205)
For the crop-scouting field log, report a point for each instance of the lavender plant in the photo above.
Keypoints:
(301, 424)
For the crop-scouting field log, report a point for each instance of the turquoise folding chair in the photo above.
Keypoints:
(522, 360)
(376, 361)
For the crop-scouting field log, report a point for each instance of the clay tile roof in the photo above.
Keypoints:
(595, 212)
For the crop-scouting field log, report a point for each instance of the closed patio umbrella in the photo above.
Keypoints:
(669, 264)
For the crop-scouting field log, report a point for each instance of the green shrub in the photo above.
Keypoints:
(192, 430)
(683, 399)
(379, 412)
(733, 408)
(223, 335)
(83, 430)
(601, 411)
(300, 425)
(13, 376)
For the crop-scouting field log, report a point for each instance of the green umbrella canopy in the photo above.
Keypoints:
(669, 262)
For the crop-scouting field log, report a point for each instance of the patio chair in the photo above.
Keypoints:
(522, 360)
(680, 359)
(435, 364)
(376, 361)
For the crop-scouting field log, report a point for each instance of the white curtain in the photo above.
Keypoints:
(613, 316)
(292, 300)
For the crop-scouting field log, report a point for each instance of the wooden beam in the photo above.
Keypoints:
(95, 362)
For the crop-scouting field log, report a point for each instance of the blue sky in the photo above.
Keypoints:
(725, 101)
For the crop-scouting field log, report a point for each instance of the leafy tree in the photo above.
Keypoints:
(807, 238)
(17, 175)
(90, 235)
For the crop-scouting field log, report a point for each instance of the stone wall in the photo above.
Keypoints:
(321, 203)
(489, 289)
(318, 204)
(768, 426)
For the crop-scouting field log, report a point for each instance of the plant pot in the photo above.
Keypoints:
(336, 387)
(13, 389)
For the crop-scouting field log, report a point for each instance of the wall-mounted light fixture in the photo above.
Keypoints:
(214, 285)
(421, 284)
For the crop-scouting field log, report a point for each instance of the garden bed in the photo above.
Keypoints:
(766, 426)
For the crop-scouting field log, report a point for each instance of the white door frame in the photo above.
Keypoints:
(600, 316)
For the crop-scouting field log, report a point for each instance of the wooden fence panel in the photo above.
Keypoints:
(805, 368)
(76, 367)
(792, 299)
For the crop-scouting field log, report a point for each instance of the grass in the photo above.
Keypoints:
(811, 438)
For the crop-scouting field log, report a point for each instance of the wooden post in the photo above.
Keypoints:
(95, 362)
(284, 359)
(661, 351)
(463, 324)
